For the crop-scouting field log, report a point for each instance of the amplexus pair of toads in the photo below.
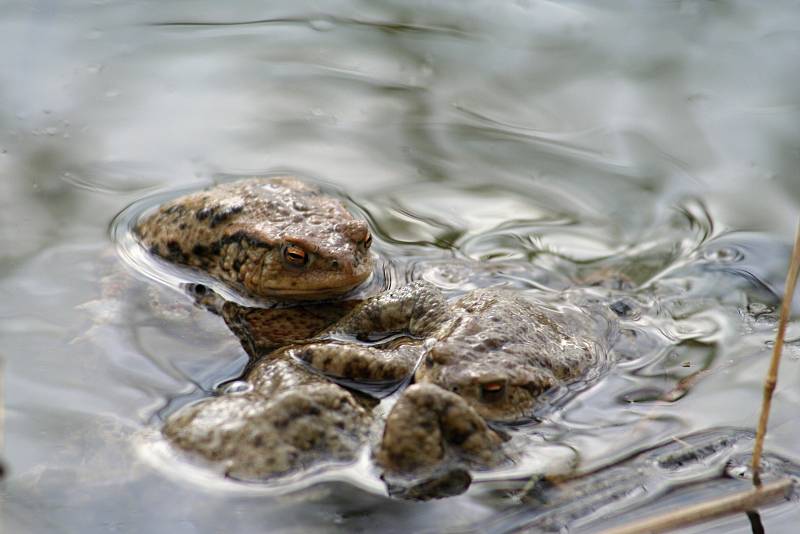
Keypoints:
(485, 357)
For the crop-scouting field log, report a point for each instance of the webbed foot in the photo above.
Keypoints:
(430, 435)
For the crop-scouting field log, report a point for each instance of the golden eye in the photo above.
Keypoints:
(295, 255)
(368, 241)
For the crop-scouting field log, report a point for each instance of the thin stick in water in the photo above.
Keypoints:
(761, 494)
(772, 375)
(731, 504)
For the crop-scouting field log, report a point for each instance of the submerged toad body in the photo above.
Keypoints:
(267, 237)
(488, 356)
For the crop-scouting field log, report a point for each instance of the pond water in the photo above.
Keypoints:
(525, 143)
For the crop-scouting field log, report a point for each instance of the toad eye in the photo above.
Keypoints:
(493, 391)
(294, 255)
(368, 241)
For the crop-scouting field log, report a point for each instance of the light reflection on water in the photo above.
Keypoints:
(526, 144)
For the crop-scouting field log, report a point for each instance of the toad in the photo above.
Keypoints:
(487, 357)
(318, 369)
(275, 237)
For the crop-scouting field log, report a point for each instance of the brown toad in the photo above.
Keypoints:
(267, 237)
(488, 356)
(284, 419)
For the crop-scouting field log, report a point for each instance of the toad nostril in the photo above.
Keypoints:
(198, 289)
(335, 264)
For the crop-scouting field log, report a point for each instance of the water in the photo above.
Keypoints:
(541, 140)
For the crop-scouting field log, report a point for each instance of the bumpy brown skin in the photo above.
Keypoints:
(360, 363)
(262, 330)
(292, 419)
(488, 356)
(496, 349)
(428, 427)
(239, 233)
(500, 352)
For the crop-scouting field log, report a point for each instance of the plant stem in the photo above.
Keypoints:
(772, 375)
(732, 504)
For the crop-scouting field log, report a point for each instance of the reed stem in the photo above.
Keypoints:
(772, 375)
(731, 504)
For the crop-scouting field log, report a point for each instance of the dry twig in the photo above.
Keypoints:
(772, 375)
(731, 504)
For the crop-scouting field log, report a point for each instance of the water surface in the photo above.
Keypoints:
(540, 140)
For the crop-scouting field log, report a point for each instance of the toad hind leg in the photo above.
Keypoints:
(417, 308)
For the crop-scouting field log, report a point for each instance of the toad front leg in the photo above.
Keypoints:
(360, 363)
